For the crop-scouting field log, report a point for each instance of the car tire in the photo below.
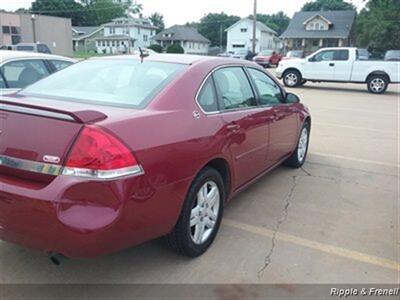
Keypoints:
(192, 240)
(377, 84)
(292, 78)
(299, 155)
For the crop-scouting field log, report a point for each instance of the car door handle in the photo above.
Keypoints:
(331, 64)
(233, 127)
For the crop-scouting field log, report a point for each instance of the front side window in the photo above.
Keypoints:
(2, 83)
(114, 82)
(234, 88)
(324, 55)
(20, 74)
(207, 98)
(269, 91)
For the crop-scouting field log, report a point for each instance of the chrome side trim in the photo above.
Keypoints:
(55, 170)
(29, 165)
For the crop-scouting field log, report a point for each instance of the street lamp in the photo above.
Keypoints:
(33, 19)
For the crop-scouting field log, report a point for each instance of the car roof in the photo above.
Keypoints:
(10, 54)
(185, 59)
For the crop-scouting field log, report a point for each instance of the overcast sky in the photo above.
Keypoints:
(182, 11)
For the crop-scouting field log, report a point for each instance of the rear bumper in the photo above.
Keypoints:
(80, 218)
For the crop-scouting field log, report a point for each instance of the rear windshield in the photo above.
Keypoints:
(125, 83)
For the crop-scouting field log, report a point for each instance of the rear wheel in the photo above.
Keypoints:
(201, 215)
(298, 157)
(292, 78)
(377, 84)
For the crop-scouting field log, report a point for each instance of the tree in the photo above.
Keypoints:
(213, 25)
(318, 5)
(157, 48)
(104, 11)
(157, 20)
(61, 8)
(378, 25)
(175, 48)
(278, 22)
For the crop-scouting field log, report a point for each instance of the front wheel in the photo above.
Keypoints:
(201, 215)
(298, 157)
(377, 84)
(292, 78)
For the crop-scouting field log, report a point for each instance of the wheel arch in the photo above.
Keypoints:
(292, 69)
(381, 73)
(222, 166)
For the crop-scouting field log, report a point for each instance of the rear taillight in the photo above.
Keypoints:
(98, 154)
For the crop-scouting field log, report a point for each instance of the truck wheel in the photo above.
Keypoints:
(292, 78)
(377, 84)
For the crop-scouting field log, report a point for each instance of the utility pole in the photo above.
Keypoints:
(254, 26)
(220, 37)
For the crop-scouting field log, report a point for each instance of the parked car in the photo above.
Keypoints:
(243, 54)
(114, 152)
(19, 69)
(226, 54)
(339, 65)
(28, 47)
(266, 58)
(392, 55)
(363, 54)
(294, 54)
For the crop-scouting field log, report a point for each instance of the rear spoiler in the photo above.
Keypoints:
(82, 117)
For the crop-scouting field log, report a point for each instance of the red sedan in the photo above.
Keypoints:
(112, 152)
(268, 58)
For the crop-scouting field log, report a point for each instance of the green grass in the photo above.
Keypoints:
(86, 55)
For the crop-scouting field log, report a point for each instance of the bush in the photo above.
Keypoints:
(156, 48)
(175, 48)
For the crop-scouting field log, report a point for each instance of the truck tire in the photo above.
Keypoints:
(377, 84)
(292, 78)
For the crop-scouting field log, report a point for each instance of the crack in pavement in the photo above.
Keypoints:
(268, 258)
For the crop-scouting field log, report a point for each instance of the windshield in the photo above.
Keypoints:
(266, 52)
(126, 83)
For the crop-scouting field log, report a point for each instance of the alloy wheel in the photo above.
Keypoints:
(291, 79)
(303, 144)
(377, 85)
(204, 214)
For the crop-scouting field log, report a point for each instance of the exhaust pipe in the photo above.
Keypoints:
(57, 258)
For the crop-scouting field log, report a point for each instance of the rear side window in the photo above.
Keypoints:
(115, 82)
(60, 64)
(20, 74)
(341, 55)
(234, 88)
(43, 48)
(270, 93)
(207, 98)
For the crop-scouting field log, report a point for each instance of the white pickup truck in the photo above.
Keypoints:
(339, 65)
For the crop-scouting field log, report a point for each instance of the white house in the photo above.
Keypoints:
(240, 36)
(123, 35)
(191, 41)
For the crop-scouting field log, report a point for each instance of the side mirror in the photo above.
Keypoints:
(292, 98)
(311, 58)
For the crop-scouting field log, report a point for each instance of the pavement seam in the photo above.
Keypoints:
(288, 198)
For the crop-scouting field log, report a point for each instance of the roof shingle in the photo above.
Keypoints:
(180, 33)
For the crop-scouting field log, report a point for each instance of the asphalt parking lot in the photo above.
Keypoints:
(334, 221)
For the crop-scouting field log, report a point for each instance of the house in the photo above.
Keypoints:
(123, 35)
(55, 32)
(310, 30)
(189, 38)
(84, 38)
(240, 36)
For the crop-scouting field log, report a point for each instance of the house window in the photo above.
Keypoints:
(145, 38)
(15, 39)
(138, 30)
(15, 30)
(112, 30)
(243, 30)
(6, 30)
(237, 46)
